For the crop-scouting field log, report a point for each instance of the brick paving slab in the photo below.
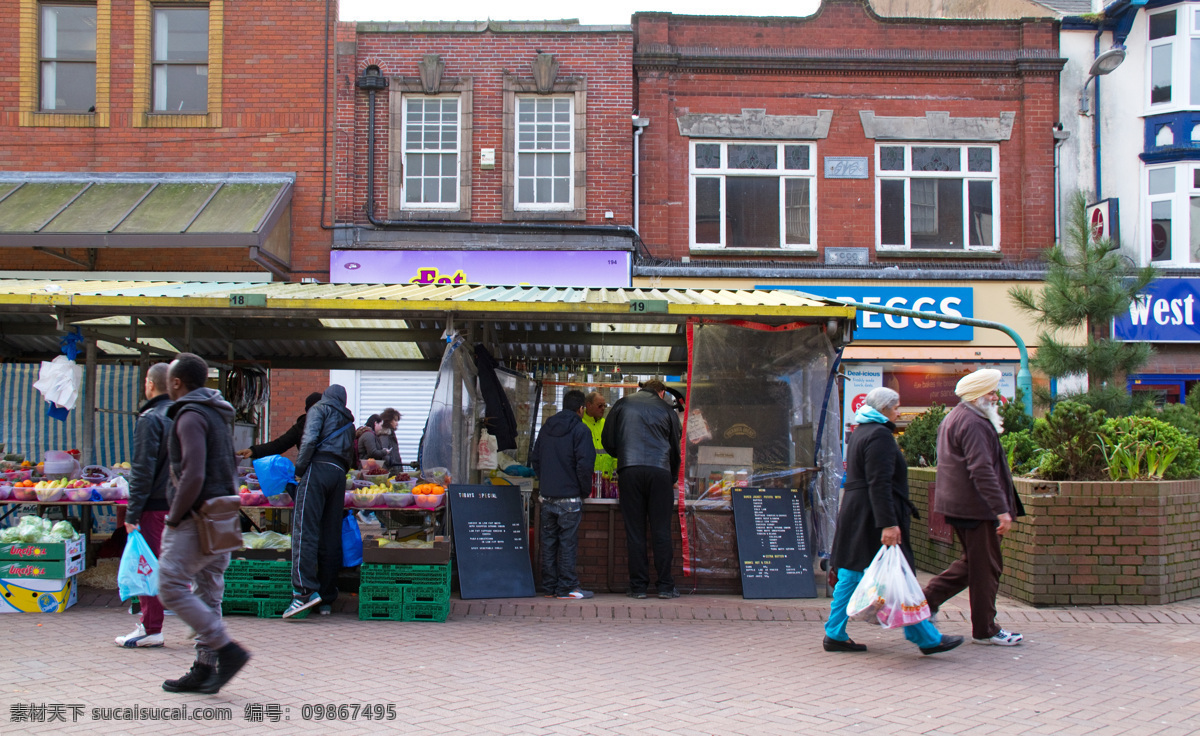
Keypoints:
(694, 665)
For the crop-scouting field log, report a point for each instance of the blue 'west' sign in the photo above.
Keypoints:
(953, 301)
(1165, 311)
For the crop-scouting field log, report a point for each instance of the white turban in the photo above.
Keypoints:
(979, 383)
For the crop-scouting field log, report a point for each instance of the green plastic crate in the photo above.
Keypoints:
(405, 575)
(394, 594)
(427, 594)
(258, 588)
(426, 611)
(260, 607)
(384, 611)
(260, 570)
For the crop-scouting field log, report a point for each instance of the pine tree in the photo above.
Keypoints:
(1088, 282)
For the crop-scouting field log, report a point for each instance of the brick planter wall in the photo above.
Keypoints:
(1087, 543)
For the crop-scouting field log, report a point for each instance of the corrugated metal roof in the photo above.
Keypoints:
(419, 298)
(379, 326)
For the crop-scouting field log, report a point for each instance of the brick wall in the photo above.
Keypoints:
(271, 111)
(602, 57)
(1089, 543)
(742, 74)
(289, 388)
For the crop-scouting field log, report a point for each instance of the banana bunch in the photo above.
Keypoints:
(377, 488)
(43, 485)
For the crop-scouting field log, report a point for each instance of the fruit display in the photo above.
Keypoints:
(429, 489)
(369, 496)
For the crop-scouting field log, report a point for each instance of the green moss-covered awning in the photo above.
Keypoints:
(154, 210)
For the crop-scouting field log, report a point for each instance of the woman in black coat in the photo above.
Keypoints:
(875, 510)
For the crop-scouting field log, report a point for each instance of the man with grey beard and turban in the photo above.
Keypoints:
(975, 491)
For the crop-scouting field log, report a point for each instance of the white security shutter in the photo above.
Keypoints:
(409, 392)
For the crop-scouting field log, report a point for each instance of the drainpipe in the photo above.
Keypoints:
(639, 124)
(1060, 137)
(1024, 377)
(1096, 123)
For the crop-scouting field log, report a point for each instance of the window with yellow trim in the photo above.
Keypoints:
(67, 57)
(180, 59)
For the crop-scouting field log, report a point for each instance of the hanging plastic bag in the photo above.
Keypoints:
(274, 473)
(352, 544)
(904, 602)
(487, 451)
(138, 573)
(59, 380)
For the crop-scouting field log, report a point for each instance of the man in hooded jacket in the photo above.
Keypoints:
(326, 454)
(563, 457)
(191, 583)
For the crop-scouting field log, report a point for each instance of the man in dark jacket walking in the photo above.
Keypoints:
(326, 454)
(148, 494)
(975, 492)
(190, 582)
(563, 457)
(643, 432)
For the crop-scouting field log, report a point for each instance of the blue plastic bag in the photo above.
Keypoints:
(274, 473)
(352, 544)
(138, 573)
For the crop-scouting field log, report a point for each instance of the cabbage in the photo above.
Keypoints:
(62, 531)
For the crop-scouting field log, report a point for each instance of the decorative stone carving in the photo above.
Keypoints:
(756, 124)
(431, 67)
(545, 71)
(937, 126)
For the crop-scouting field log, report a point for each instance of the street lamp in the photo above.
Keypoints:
(1105, 63)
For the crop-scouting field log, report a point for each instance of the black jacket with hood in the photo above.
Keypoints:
(151, 464)
(201, 431)
(563, 457)
(328, 432)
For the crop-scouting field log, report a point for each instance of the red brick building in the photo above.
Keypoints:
(487, 137)
(907, 162)
(171, 97)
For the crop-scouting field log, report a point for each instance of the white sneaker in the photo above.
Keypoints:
(139, 638)
(1001, 639)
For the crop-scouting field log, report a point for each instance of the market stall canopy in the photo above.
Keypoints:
(385, 326)
(54, 212)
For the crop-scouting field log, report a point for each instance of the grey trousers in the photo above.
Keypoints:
(180, 566)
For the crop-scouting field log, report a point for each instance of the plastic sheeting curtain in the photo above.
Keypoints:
(449, 435)
(755, 403)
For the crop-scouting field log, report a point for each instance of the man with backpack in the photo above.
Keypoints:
(325, 457)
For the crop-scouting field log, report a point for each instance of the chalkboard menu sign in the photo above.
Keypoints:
(772, 544)
(491, 542)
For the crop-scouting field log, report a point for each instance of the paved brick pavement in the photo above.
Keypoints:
(698, 665)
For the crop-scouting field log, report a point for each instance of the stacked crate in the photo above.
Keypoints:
(404, 593)
(260, 588)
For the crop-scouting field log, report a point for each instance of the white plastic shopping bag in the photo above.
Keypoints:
(486, 452)
(890, 591)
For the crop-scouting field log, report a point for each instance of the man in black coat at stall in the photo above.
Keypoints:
(644, 433)
(563, 458)
(875, 510)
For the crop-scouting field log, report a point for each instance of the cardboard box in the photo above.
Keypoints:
(41, 568)
(42, 551)
(37, 596)
(438, 554)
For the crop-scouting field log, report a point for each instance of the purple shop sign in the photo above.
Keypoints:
(603, 269)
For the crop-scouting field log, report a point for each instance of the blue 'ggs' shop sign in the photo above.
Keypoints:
(1165, 311)
(954, 301)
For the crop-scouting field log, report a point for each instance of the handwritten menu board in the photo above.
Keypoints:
(772, 543)
(491, 542)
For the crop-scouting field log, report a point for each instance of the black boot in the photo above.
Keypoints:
(230, 659)
(199, 679)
